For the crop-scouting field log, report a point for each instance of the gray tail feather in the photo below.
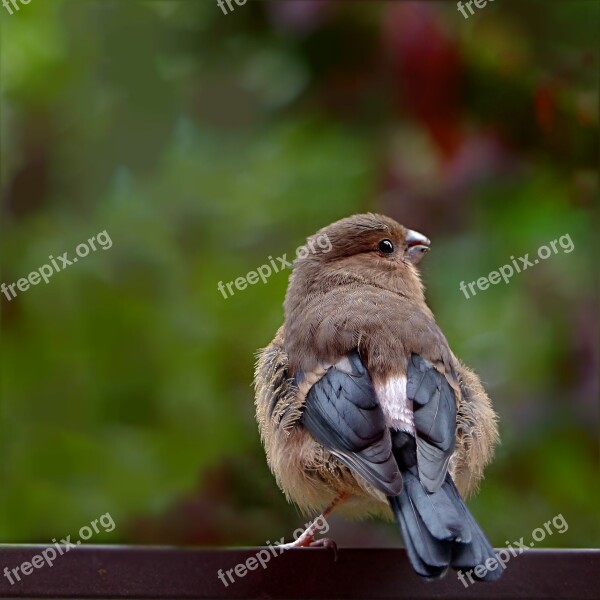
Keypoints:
(439, 531)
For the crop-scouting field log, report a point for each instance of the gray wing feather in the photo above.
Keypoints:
(434, 407)
(343, 414)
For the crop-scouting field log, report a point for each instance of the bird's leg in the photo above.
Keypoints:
(307, 539)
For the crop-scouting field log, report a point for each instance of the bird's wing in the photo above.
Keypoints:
(434, 410)
(342, 413)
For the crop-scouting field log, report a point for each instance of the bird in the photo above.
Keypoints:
(363, 408)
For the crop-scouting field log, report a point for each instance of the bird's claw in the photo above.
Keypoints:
(325, 543)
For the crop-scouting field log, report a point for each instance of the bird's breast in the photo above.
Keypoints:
(397, 408)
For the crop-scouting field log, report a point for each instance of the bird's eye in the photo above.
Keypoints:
(386, 246)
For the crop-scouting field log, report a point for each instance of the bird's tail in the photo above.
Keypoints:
(439, 531)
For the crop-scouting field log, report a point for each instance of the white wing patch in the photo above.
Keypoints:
(397, 408)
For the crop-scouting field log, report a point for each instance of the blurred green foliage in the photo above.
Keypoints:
(204, 143)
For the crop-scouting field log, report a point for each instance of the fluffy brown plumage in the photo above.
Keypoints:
(357, 313)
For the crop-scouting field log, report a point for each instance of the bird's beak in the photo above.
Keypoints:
(417, 246)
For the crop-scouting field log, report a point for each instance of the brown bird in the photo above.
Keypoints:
(362, 405)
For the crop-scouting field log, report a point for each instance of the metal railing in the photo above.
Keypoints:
(373, 574)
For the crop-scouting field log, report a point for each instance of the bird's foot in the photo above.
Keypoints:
(326, 543)
(308, 541)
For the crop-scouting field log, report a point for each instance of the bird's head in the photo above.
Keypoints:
(366, 248)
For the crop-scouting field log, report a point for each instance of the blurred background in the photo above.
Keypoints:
(205, 142)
